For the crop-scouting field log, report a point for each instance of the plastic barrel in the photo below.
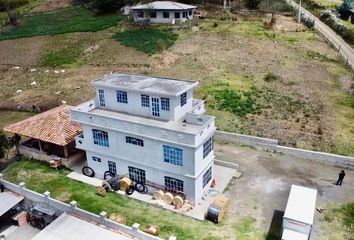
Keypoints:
(213, 213)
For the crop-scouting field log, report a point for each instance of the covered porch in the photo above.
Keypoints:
(49, 136)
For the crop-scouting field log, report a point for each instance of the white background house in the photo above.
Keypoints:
(150, 128)
(162, 12)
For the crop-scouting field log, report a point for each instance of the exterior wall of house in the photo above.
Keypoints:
(193, 186)
(159, 16)
(134, 105)
(183, 127)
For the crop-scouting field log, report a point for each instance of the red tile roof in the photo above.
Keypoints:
(52, 126)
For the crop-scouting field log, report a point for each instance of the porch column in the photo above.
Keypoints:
(40, 145)
(66, 151)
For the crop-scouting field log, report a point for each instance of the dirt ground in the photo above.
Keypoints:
(262, 190)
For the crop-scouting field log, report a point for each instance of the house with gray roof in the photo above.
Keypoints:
(162, 12)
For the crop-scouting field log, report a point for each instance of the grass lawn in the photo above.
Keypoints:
(66, 20)
(40, 178)
(148, 40)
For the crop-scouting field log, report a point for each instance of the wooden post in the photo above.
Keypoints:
(66, 151)
(40, 145)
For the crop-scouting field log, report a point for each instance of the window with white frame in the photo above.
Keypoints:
(173, 155)
(165, 104)
(190, 13)
(173, 184)
(184, 14)
(122, 97)
(112, 167)
(177, 15)
(137, 175)
(208, 146)
(183, 99)
(134, 141)
(100, 137)
(145, 101)
(101, 97)
(207, 177)
(96, 159)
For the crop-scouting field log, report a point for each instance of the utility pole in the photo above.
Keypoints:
(299, 15)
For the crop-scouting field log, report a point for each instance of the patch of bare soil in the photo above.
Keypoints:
(163, 60)
(51, 5)
(24, 52)
(64, 196)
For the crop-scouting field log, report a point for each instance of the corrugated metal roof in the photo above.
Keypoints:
(7, 201)
(53, 126)
(164, 5)
(67, 227)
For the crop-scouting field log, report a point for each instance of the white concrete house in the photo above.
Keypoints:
(150, 128)
(163, 12)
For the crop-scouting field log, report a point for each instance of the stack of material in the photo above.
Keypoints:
(125, 183)
(152, 229)
(118, 218)
(222, 203)
(217, 209)
(186, 206)
(158, 194)
(167, 198)
(177, 201)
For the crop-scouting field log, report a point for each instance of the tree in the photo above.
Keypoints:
(253, 4)
(106, 6)
(12, 17)
(344, 9)
(5, 145)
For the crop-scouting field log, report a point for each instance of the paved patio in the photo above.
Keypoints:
(222, 176)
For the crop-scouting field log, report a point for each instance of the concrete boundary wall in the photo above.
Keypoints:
(272, 145)
(258, 142)
(72, 209)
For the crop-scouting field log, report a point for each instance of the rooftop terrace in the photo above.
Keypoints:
(143, 83)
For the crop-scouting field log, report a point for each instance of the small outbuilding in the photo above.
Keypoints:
(49, 136)
(162, 12)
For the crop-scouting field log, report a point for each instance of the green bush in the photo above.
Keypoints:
(148, 40)
(270, 77)
(344, 9)
(236, 102)
(106, 6)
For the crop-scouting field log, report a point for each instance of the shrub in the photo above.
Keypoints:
(106, 6)
(344, 9)
(13, 4)
(253, 4)
(270, 77)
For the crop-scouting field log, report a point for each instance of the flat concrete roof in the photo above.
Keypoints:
(68, 227)
(7, 201)
(301, 204)
(143, 83)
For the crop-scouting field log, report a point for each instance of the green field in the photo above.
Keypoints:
(66, 20)
(148, 40)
